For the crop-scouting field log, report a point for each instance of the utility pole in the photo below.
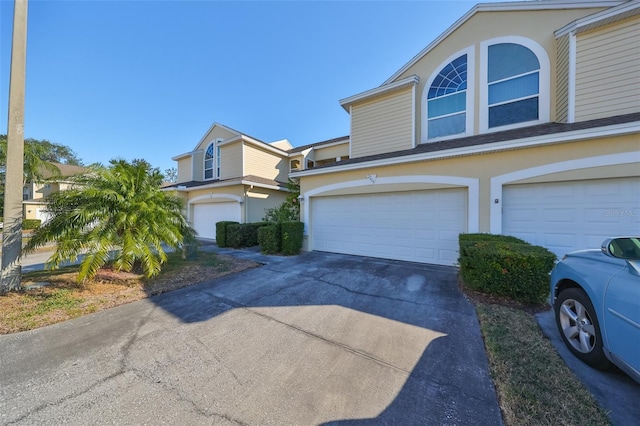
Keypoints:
(12, 229)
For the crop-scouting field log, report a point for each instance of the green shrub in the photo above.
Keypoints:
(269, 238)
(292, 234)
(31, 223)
(221, 233)
(505, 266)
(243, 234)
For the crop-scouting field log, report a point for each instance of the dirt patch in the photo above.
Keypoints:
(63, 298)
(476, 297)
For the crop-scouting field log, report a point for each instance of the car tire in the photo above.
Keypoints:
(579, 327)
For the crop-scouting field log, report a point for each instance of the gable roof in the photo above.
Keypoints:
(341, 139)
(501, 7)
(487, 142)
(65, 170)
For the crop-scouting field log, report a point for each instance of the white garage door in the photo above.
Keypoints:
(420, 226)
(567, 216)
(205, 217)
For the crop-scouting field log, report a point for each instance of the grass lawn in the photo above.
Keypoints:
(63, 298)
(533, 383)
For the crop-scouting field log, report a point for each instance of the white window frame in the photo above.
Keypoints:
(216, 162)
(544, 101)
(470, 96)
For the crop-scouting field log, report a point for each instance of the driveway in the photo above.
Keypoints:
(314, 339)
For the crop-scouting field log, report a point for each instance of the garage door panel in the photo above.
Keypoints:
(205, 217)
(567, 216)
(419, 226)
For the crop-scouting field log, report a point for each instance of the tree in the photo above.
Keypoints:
(171, 175)
(39, 156)
(289, 210)
(116, 213)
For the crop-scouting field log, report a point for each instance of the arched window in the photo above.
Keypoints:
(447, 100)
(212, 160)
(208, 161)
(513, 78)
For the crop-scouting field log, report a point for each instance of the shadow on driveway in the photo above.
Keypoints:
(352, 339)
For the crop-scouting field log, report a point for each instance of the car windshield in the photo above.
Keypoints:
(625, 248)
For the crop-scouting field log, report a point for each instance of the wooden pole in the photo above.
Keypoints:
(14, 171)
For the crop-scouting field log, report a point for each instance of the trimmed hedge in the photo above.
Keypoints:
(221, 232)
(243, 234)
(292, 235)
(31, 223)
(505, 266)
(270, 238)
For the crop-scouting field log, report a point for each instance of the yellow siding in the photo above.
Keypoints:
(382, 125)
(331, 152)
(486, 166)
(562, 80)
(607, 79)
(184, 170)
(538, 26)
(198, 165)
(216, 133)
(231, 161)
(258, 200)
(264, 164)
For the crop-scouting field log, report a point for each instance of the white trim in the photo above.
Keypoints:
(226, 183)
(228, 129)
(213, 162)
(499, 7)
(193, 166)
(571, 92)
(470, 51)
(400, 84)
(576, 135)
(612, 14)
(472, 185)
(350, 129)
(211, 196)
(252, 141)
(214, 196)
(413, 116)
(320, 145)
(497, 182)
(544, 94)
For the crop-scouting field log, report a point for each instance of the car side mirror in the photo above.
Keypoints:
(627, 248)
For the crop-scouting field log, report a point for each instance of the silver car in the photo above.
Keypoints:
(596, 299)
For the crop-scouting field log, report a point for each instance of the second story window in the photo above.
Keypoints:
(447, 100)
(513, 78)
(208, 161)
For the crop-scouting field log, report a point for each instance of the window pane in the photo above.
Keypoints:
(447, 105)
(515, 88)
(209, 153)
(208, 174)
(509, 59)
(452, 125)
(451, 78)
(208, 164)
(514, 112)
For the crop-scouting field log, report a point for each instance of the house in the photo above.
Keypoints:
(232, 176)
(522, 118)
(35, 194)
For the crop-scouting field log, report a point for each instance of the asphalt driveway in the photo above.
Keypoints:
(314, 339)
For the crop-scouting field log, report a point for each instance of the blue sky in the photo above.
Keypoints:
(146, 79)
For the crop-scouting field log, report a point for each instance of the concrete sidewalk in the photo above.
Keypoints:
(312, 339)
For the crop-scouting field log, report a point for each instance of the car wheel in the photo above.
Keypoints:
(579, 327)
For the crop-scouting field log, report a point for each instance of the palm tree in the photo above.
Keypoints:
(116, 213)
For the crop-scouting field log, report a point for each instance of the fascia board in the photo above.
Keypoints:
(585, 134)
(610, 15)
(259, 144)
(224, 184)
(185, 155)
(409, 81)
(498, 7)
(209, 131)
